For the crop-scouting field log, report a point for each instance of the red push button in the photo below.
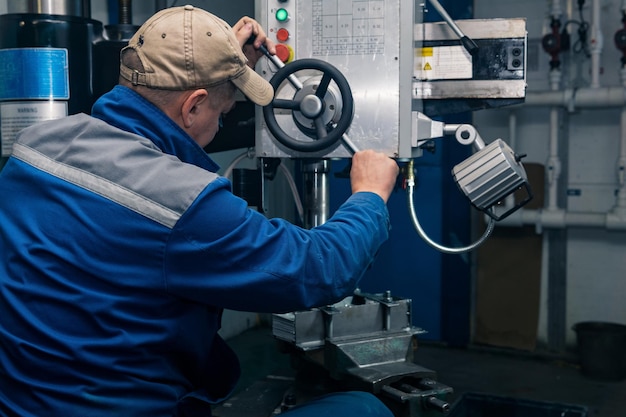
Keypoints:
(282, 35)
(282, 52)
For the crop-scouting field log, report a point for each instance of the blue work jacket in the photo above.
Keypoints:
(119, 248)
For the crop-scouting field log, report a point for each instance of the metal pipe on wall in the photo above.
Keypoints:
(572, 99)
(596, 43)
(553, 171)
(617, 214)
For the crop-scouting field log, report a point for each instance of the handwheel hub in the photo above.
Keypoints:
(311, 106)
(328, 108)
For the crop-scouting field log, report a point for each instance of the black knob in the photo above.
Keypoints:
(551, 43)
(620, 39)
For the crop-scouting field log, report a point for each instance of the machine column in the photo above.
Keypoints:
(316, 195)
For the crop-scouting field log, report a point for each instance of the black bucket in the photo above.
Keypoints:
(602, 350)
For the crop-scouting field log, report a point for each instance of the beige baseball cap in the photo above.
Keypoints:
(184, 48)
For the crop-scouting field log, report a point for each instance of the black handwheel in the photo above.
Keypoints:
(311, 106)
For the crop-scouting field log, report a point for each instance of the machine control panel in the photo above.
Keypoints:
(395, 66)
(281, 23)
(360, 39)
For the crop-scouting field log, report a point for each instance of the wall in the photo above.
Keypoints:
(594, 262)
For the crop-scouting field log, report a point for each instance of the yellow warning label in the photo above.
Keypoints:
(424, 51)
(442, 63)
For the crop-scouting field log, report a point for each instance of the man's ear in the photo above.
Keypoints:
(190, 108)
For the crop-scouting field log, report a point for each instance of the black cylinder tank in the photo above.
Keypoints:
(52, 52)
(77, 35)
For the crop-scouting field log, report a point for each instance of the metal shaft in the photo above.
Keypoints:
(316, 192)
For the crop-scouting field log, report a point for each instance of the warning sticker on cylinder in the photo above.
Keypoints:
(15, 116)
(442, 63)
(34, 73)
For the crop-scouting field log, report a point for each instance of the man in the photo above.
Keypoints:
(120, 245)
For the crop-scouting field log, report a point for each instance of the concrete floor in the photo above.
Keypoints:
(523, 376)
(488, 372)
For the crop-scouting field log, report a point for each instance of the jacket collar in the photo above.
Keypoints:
(125, 109)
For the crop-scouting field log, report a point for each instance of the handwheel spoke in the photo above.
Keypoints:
(295, 82)
(320, 128)
(322, 88)
(286, 104)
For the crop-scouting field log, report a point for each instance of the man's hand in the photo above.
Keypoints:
(247, 28)
(374, 172)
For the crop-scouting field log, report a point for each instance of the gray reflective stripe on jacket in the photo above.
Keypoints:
(86, 159)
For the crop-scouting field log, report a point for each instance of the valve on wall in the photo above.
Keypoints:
(620, 39)
(552, 44)
(55, 60)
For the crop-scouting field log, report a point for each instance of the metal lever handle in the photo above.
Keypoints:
(279, 64)
(468, 43)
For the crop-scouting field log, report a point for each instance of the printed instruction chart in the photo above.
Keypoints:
(348, 28)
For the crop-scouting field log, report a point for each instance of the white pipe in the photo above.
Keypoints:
(509, 201)
(553, 171)
(250, 153)
(553, 164)
(573, 99)
(617, 215)
(596, 43)
(512, 129)
(294, 191)
(621, 167)
(555, 9)
(560, 219)
(553, 217)
(229, 169)
(620, 204)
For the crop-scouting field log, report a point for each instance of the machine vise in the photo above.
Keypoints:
(364, 342)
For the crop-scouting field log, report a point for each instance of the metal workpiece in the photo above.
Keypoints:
(366, 342)
(356, 317)
(372, 363)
